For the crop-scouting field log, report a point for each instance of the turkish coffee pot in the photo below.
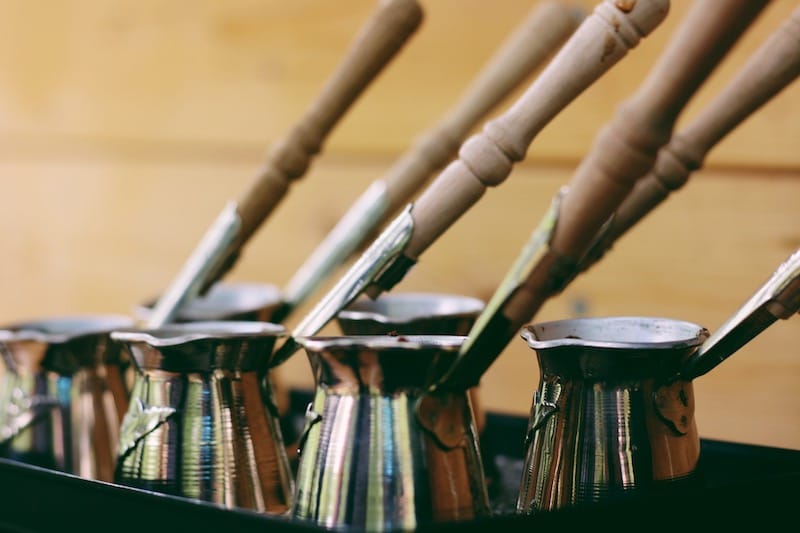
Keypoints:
(63, 393)
(368, 458)
(200, 423)
(613, 414)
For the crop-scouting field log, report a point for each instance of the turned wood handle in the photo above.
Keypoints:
(486, 159)
(384, 34)
(626, 148)
(546, 27)
(775, 65)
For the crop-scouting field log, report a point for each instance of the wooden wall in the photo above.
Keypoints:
(126, 125)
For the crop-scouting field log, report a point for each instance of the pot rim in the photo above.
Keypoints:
(446, 305)
(179, 333)
(377, 342)
(621, 332)
(64, 328)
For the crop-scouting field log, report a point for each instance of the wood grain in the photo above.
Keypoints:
(110, 111)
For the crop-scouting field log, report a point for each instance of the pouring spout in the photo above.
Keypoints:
(778, 298)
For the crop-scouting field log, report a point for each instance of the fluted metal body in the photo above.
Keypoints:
(415, 313)
(200, 424)
(233, 301)
(609, 419)
(63, 392)
(368, 459)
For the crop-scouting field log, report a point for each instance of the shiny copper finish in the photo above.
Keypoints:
(63, 393)
(199, 425)
(417, 313)
(608, 420)
(366, 460)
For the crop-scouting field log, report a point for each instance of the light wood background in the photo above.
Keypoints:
(126, 125)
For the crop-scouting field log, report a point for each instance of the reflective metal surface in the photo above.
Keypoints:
(232, 301)
(212, 251)
(410, 313)
(415, 313)
(366, 460)
(607, 422)
(225, 300)
(341, 242)
(373, 263)
(199, 424)
(63, 393)
(501, 319)
(777, 298)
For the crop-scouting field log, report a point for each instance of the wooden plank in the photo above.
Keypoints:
(127, 125)
(156, 79)
(102, 236)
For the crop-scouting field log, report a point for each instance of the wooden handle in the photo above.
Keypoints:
(626, 148)
(486, 159)
(545, 29)
(769, 70)
(385, 33)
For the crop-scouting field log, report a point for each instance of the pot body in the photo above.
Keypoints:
(377, 453)
(609, 420)
(415, 313)
(238, 301)
(199, 424)
(63, 393)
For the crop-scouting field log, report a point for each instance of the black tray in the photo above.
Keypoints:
(741, 482)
